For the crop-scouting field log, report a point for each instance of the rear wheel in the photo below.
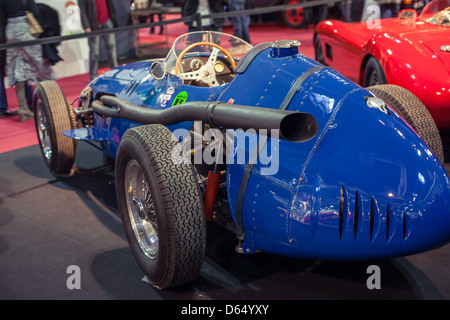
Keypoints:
(53, 114)
(414, 112)
(161, 207)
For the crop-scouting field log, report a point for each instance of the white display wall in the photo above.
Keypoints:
(75, 53)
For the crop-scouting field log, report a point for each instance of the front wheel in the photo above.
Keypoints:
(414, 112)
(319, 56)
(161, 207)
(53, 114)
(374, 74)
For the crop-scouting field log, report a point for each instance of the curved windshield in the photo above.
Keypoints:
(437, 12)
(205, 58)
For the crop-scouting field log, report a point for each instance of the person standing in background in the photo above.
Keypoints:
(240, 23)
(24, 65)
(4, 109)
(204, 7)
(389, 8)
(99, 15)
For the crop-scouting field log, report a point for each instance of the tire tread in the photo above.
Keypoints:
(414, 112)
(182, 204)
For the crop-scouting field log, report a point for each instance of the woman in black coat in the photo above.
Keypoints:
(4, 110)
(23, 64)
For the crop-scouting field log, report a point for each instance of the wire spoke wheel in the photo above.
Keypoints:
(161, 206)
(141, 209)
(43, 131)
(52, 116)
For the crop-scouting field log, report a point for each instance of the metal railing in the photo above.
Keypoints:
(196, 17)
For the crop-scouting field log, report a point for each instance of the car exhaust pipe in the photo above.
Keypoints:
(292, 126)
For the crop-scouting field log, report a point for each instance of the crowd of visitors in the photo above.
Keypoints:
(24, 66)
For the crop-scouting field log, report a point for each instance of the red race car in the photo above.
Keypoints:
(409, 51)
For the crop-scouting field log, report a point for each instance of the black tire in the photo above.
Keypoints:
(414, 112)
(52, 115)
(374, 74)
(161, 207)
(294, 18)
(319, 56)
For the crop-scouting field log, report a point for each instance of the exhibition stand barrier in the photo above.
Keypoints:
(196, 17)
(72, 75)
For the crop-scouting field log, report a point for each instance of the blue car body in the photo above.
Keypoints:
(365, 186)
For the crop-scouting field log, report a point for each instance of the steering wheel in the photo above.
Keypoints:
(445, 12)
(206, 73)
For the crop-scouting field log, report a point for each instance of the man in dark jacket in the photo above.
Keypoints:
(97, 15)
(4, 111)
(204, 7)
(51, 28)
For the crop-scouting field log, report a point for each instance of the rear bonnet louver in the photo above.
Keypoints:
(358, 213)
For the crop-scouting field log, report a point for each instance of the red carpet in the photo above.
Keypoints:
(15, 134)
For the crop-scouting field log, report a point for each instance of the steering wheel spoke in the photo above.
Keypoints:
(213, 57)
(193, 75)
(206, 73)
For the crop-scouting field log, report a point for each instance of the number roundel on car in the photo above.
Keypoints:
(180, 98)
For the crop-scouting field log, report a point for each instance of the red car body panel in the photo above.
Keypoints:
(408, 50)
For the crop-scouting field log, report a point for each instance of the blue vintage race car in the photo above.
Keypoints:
(288, 153)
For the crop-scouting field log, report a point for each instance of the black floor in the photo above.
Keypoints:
(48, 224)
